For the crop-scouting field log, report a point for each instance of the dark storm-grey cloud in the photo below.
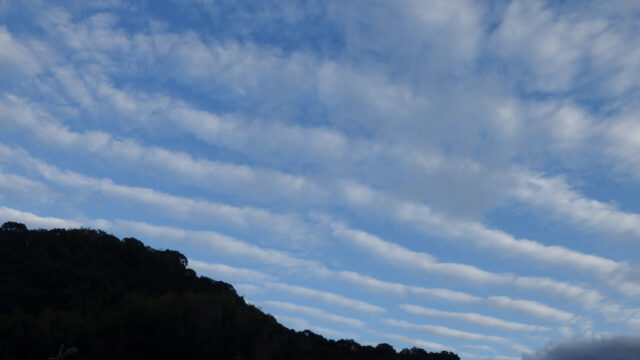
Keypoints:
(600, 348)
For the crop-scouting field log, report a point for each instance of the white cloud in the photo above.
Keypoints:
(227, 273)
(428, 345)
(302, 324)
(615, 313)
(461, 21)
(442, 34)
(88, 39)
(23, 187)
(570, 126)
(218, 242)
(285, 225)
(326, 297)
(333, 334)
(403, 257)
(35, 221)
(623, 144)
(428, 220)
(179, 165)
(472, 318)
(443, 294)
(17, 55)
(381, 286)
(446, 332)
(556, 195)
(548, 43)
(564, 47)
(296, 144)
(480, 347)
(248, 289)
(74, 85)
(531, 308)
(313, 312)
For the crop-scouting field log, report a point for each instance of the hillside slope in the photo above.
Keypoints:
(120, 299)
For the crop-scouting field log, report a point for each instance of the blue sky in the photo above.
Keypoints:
(457, 175)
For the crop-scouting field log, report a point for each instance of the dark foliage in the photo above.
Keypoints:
(120, 299)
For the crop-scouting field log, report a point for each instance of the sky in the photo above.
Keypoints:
(453, 175)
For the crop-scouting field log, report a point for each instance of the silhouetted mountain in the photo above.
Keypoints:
(120, 299)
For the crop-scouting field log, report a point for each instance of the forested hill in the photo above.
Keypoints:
(105, 298)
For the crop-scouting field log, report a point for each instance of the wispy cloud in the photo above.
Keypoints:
(426, 262)
(221, 271)
(18, 56)
(472, 318)
(313, 312)
(326, 297)
(35, 221)
(175, 206)
(411, 341)
(17, 112)
(532, 308)
(446, 332)
(554, 194)
(227, 273)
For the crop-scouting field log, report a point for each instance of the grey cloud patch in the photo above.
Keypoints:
(610, 348)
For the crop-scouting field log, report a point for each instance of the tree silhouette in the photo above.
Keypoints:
(122, 299)
(14, 226)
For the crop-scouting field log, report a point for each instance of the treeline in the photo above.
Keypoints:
(120, 299)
